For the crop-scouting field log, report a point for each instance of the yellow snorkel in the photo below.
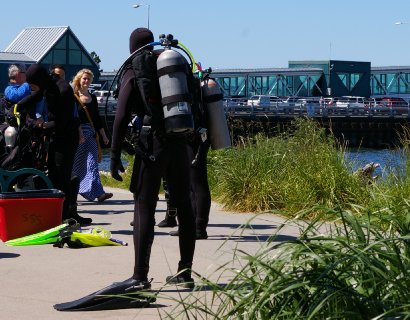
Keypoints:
(16, 114)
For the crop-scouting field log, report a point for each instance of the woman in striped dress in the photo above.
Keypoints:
(86, 158)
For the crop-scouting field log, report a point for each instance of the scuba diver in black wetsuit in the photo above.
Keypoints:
(154, 85)
(161, 153)
(163, 150)
(63, 125)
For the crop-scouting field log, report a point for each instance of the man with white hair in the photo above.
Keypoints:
(18, 89)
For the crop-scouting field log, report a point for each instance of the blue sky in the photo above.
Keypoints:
(230, 34)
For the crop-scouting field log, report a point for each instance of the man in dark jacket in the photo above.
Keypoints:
(63, 123)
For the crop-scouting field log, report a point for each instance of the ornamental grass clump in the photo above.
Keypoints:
(348, 269)
(295, 170)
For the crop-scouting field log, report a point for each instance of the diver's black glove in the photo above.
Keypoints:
(115, 166)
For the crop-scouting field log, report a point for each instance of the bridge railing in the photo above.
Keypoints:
(240, 108)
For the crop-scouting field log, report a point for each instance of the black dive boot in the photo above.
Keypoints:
(72, 214)
(200, 234)
(170, 220)
(182, 278)
(72, 204)
(130, 293)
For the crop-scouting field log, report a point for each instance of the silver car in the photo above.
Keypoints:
(104, 97)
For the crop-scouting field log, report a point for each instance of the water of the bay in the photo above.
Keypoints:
(104, 165)
(389, 160)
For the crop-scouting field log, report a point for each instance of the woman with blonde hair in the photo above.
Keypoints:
(86, 158)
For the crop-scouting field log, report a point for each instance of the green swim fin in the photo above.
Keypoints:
(44, 237)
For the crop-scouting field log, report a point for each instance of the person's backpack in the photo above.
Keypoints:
(145, 70)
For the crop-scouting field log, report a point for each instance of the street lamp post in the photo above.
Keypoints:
(398, 23)
(140, 5)
(329, 85)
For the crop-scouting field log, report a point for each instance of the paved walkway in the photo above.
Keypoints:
(34, 278)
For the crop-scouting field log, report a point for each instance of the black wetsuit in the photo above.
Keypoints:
(64, 139)
(200, 194)
(172, 159)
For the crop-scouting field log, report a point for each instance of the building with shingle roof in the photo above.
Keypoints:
(47, 46)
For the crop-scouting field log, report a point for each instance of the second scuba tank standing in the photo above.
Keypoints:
(218, 132)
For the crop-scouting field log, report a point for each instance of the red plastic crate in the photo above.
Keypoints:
(28, 212)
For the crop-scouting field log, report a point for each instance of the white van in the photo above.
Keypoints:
(258, 101)
(352, 104)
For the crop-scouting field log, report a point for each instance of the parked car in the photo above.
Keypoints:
(309, 105)
(290, 104)
(235, 104)
(259, 101)
(327, 101)
(102, 96)
(353, 104)
(328, 106)
(393, 105)
(274, 101)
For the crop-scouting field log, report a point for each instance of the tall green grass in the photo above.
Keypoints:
(348, 269)
(296, 170)
(393, 191)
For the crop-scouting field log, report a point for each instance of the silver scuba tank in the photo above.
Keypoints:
(176, 99)
(218, 132)
(10, 136)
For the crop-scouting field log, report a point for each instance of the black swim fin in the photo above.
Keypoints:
(130, 293)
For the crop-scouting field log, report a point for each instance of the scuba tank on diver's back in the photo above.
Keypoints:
(173, 69)
(184, 98)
